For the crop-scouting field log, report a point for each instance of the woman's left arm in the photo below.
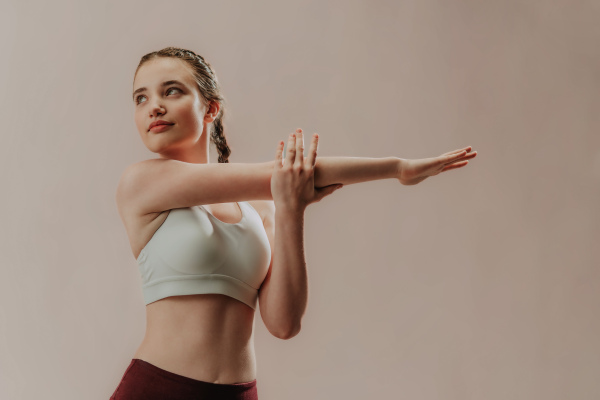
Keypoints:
(283, 296)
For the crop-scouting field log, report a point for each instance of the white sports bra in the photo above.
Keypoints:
(193, 252)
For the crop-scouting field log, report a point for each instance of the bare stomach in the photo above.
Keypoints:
(207, 337)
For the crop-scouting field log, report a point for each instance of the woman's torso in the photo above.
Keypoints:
(208, 337)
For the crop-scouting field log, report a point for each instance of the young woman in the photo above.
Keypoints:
(205, 235)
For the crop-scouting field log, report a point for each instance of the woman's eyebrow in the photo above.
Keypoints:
(166, 83)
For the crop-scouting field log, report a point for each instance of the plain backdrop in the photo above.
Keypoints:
(479, 283)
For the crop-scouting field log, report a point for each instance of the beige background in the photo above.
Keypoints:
(480, 283)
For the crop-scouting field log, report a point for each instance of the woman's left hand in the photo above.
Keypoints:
(293, 179)
(415, 171)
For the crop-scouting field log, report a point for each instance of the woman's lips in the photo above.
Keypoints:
(160, 128)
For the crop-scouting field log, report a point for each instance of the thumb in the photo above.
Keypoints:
(327, 190)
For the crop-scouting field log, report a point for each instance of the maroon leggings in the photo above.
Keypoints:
(146, 381)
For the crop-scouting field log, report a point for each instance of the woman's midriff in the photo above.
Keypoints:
(207, 337)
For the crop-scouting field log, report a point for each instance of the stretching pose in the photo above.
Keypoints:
(214, 240)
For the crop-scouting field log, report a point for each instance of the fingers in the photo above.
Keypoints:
(291, 150)
(295, 149)
(468, 148)
(278, 153)
(456, 155)
(453, 166)
(312, 153)
(299, 148)
(450, 158)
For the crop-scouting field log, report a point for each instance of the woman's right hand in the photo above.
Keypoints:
(292, 182)
(413, 171)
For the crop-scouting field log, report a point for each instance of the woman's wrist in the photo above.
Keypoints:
(400, 163)
(289, 210)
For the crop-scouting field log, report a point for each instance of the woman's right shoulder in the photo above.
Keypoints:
(138, 225)
(134, 170)
(133, 175)
(141, 166)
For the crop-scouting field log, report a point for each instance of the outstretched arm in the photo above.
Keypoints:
(349, 170)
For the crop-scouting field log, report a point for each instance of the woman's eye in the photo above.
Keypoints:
(137, 99)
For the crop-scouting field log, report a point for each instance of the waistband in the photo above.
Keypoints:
(186, 380)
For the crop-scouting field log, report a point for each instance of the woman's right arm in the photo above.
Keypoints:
(159, 184)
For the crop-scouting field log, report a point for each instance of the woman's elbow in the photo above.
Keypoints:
(287, 334)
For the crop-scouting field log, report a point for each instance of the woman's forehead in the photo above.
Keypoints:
(156, 71)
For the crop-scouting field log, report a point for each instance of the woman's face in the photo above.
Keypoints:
(178, 103)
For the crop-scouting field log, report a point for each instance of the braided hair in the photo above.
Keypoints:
(207, 82)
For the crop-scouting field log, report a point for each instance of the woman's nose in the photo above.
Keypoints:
(157, 109)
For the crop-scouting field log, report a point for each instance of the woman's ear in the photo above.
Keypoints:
(211, 112)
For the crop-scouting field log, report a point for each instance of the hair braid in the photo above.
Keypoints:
(218, 137)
